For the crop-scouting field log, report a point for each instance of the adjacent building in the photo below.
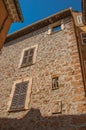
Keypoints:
(9, 12)
(80, 29)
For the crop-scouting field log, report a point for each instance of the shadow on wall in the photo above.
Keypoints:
(35, 121)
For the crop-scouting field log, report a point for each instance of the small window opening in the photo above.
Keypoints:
(79, 19)
(55, 84)
(56, 28)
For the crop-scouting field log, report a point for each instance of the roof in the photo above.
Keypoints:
(14, 10)
(84, 11)
(40, 24)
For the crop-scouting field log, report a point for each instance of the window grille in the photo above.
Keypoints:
(55, 84)
(56, 28)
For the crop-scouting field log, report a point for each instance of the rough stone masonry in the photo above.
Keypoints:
(57, 55)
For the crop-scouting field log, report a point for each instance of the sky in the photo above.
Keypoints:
(35, 10)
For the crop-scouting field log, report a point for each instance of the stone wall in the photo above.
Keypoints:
(57, 55)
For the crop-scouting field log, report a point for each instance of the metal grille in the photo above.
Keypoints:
(55, 83)
(28, 57)
(19, 97)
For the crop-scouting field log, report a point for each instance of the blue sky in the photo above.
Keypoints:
(34, 10)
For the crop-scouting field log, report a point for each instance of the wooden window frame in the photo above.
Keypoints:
(28, 95)
(34, 56)
(79, 21)
(82, 38)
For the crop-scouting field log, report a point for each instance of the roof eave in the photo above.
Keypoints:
(40, 24)
(14, 10)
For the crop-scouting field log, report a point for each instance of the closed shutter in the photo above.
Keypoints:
(28, 57)
(19, 97)
(83, 38)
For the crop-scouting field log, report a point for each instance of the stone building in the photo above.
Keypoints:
(41, 80)
(80, 29)
(9, 12)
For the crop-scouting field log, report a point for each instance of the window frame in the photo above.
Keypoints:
(28, 94)
(56, 24)
(56, 81)
(56, 28)
(34, 56)
(79, 21)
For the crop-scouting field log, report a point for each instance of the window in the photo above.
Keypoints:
(20, 95)
(28, 56)
(56, 28)
(79, 19)
(55, 84)
(83, 38)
